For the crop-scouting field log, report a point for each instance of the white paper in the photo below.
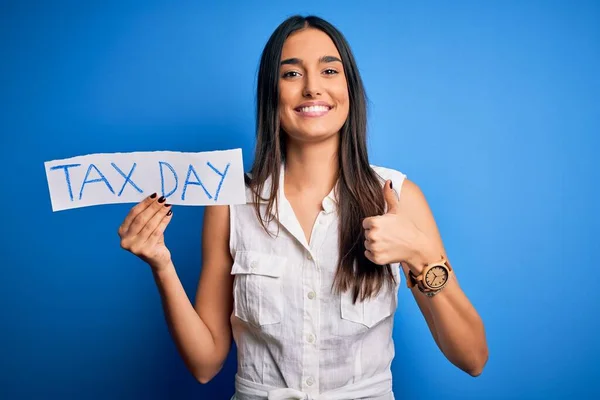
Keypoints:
(193, 179)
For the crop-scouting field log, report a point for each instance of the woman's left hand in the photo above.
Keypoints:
(393, 237)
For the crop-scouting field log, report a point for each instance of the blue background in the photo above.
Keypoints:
(493, 108)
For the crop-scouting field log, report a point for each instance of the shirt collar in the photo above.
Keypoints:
(329, 203)
(285, 213)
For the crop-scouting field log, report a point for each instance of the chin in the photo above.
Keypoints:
(312, 135)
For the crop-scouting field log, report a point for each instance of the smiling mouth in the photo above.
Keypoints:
(313, 111)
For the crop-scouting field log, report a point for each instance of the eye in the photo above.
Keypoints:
(330, 71)
(291, 74)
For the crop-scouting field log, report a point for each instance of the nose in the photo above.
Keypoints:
(312, 86)
(310, 92)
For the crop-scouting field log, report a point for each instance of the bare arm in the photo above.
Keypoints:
(214, 297)
(421, 301)
(453, 321)
(201, 332)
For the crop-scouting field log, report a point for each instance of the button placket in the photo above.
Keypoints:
(311, 280)
(311, 283)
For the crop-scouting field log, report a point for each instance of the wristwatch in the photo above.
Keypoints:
(433, 278)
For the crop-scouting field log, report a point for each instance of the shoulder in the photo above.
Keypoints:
(397, 177)
(400, 182)
(247, 188)
(386, 173)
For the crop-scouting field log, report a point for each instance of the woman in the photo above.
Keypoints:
(305, 275)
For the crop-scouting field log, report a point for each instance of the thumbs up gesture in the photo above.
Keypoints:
(392, 237)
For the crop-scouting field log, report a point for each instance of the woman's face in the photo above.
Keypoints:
(313, 94)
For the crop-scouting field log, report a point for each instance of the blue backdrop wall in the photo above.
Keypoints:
(493, 108)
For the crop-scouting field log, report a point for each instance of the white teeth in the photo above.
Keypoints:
(314, 109)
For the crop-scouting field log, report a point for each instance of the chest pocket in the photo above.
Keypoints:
(258, 289)
(358, 318)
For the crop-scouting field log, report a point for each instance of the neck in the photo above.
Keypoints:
(312, 167)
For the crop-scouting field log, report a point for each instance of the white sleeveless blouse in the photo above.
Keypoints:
(294, 338)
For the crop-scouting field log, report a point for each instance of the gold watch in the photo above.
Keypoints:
(433, 278)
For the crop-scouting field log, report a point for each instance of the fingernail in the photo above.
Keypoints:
(153, 195)
(167, 205)
(161, 199)
(170, 212)
(391, 185)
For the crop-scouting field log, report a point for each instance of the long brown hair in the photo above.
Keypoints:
(359, 189)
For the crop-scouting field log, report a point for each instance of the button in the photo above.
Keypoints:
(253, 265)
(311, 295)
(310, 381)
(311, 338)
(309, 257)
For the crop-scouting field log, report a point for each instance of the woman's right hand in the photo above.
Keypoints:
(142, 231)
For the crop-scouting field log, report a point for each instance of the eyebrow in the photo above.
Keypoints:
(324, 59)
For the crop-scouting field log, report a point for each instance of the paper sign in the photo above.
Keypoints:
(199, 179)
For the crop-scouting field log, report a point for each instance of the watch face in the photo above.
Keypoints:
(436, 277)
